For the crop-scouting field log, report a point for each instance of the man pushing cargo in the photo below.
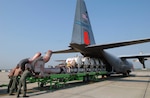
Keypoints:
(15, 72)
(13, 75)
(22, 82)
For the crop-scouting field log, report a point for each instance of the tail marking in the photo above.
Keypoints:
(86, 38)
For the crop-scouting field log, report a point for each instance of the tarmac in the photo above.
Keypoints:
(137, 85)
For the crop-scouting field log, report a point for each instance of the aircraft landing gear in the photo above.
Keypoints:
(127, 73)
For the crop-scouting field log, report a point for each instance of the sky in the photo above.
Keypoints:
(31, 26)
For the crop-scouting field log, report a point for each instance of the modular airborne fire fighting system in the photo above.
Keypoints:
(75, 68)
(71, 65)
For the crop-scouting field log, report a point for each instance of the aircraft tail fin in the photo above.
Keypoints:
(82, 30)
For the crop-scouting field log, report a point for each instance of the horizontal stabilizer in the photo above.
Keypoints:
(118, 44)
(65, 51)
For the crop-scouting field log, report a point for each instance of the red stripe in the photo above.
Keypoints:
(86, 38)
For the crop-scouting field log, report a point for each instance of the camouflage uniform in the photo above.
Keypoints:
(10, 83)
(22, 82)
(14, 84)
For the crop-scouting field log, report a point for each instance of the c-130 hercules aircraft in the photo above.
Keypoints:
(83, 42)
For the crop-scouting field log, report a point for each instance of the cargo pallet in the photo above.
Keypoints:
(59, 80)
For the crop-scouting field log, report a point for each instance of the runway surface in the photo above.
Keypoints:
(135, 86)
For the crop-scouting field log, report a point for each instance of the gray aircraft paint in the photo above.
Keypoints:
(82, 29)
(81, 24)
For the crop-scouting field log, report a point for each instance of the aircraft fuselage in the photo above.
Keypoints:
(112, 63)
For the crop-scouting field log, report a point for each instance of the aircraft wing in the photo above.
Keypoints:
(135, 56)
(65, 51)
(140, 57)
(118, 44)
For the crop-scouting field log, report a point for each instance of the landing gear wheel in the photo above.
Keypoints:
(126, 74)
(108, 75)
